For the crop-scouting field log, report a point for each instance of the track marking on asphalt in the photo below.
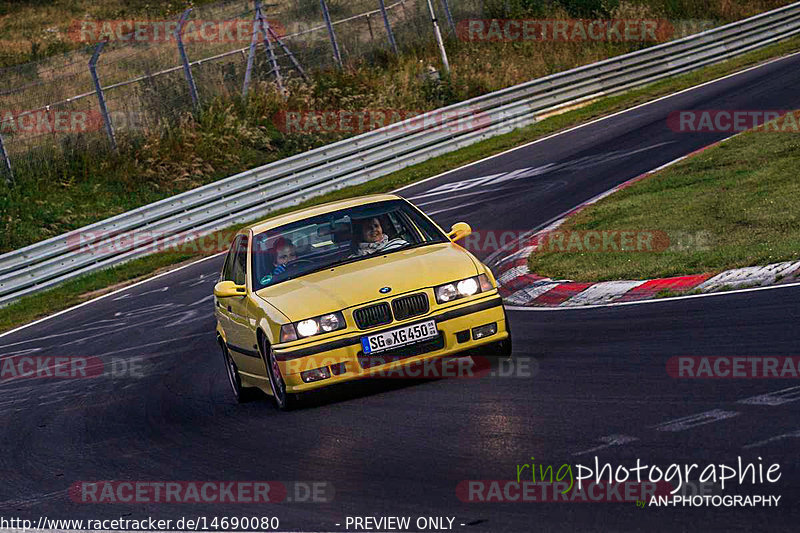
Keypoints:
(19, 353)
(673, 426)
(417, 183)
(600, 119)
(500, 180)
(56, 335)
(792, 435)
(185, 317)
(692, 421)
(611, 440)
(204, 278)
(519, 187)
(116, 330)
(491, 179)
(208, 298)
(774, 398)
(451, 198)
(470, 204)
(149, 344)
(144, 310)
(112, 293)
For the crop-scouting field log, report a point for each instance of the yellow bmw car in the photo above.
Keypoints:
(346, 290)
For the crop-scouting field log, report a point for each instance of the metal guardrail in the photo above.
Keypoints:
(352, 161)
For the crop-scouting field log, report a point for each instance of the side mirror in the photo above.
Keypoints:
(228, 289)
(459, 231)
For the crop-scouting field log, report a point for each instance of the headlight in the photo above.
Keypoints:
(446, 293)
(461, 289)
(330, 322)
(307, 328)
(468, 287)
(312, 326)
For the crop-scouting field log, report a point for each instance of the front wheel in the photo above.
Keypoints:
(240, 393)
(505, 347)
(284, 400)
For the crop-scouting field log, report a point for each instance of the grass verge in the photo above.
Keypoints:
(74, 292)
(732, 206)
(65, 180)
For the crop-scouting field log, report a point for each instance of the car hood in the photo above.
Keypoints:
(358, 283)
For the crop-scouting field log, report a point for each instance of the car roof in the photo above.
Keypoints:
(294, 216)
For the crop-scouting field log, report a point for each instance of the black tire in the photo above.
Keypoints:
(240, 393)
(283, 400)
(505, 346)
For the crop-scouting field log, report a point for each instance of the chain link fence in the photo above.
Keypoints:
(134, 77)
(137, 77)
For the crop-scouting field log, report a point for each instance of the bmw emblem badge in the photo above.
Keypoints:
(386, 290)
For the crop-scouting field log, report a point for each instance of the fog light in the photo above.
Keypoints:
(318, 374)
(339, 368)
(484, 331)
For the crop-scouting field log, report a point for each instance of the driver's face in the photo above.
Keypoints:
(372, 231)
(286, 254)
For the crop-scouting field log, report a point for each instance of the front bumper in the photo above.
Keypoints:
(347, 348)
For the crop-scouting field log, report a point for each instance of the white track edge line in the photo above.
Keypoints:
(122, 289)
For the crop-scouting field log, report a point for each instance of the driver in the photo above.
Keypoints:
(373, 239)
(284, 252)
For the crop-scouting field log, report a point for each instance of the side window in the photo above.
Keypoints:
(227, 269)
(240, 261)
(237, 256)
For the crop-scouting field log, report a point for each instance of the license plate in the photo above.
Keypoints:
(395, 338)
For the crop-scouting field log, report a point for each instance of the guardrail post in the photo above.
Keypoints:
(264, 26)
(251, 55)
(388, 25)
(336, 54)
(100, 96)
(449, 14)
(7, 162)
(187, 68)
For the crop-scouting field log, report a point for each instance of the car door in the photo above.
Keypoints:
(222, 304)
(241, 314)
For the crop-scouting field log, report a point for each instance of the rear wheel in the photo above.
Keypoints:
(284, 400)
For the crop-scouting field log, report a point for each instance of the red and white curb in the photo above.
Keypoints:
(519, 287)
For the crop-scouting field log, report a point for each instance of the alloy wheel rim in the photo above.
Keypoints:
(278, 387)
(229, 364)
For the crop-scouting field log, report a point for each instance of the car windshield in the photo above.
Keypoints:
(336, 238)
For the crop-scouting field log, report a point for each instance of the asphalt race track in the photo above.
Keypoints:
(597, 383)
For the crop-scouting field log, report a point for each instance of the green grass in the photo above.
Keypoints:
(739, 197)
(48, 302)
(66, 181)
